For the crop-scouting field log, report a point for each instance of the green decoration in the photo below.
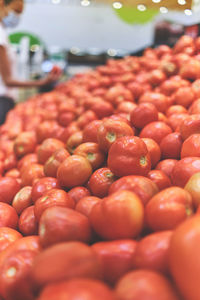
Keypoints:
(17, 36)
(132, 15)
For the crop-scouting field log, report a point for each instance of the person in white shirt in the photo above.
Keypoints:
(10, 11)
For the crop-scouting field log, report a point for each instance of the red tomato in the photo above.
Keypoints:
(8, 216)
(154, 151)
(27, 222)
(47, 148)
(90, 131)
(7, 237)
(74, 171)
(22, 199)
(42, 186)
(100, 181)
(65, 261)
(115, 258)
(195, 107)
(175, 120)
(168, 208)
(143, 114)
(192, 187)
(152, 252)
(184, 248)
(31, 174)
(78, 193)
(26, 160)
(85, 205)
(46, 129)
(184, 96)
(9, 187)
(156, 131)
(61, 224)
(190, 70)
(191, 146)
(189, 126)
(86, 118)
(145, 284)
(176, 109)
(166, 166)
(160, 178)
(74, 141)
(102, 109)
(160, 101)
(25, 143)
(171, 145)
(118, 216)
(129, 156)
(54, 161)
(126, 107)
(77, 289)
(65, 118)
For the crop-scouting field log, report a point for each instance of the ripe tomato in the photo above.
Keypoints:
(168, 208)
(118, 216)
(189, 126)
(143, 114)
(166, 166)
(190, 146)
(171, 145)
(154, 151)
(74, 141)
(26, 160)
(176, 109)
(47, 148)
(27, 222)
(85, 205)
(184, 96)
(9, 187)
(25, 143)
(100, 181)
(22, 199)
(160, 178)
(74, 171)
(7, 237)
(86, 118)
(31, 174)
(42, 186)
(129, 156)
(54, 161)
(193, 187)
(8, 216)
(90, 131)
(156, 131)
(102, 109)
(160, 101)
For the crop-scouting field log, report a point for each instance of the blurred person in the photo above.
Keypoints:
(10, 11)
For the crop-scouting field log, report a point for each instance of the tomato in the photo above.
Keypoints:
(102, 109)
(176, 109)
(42, 186)
(90, 131)
(118, 93)
(31, 174)
(160, 101)
(78, 193)
(65, 261)
(184, 169)
(7, 237)
(171, 145)
(115, 258)
(190, 70)
(160, 178)
(27, 222)
(156, 131)
(166, 166)
(143, 114)
(184, 249)
(47, 148)
(190, 146)
(156, 77)
(195, 107)
(74, 141)
(25, 143)
(152, 252)
(129, 156)
(184, 96)
(168, 208)
(22, 199)
(154, 151)
(100, 181)
(73, 289)
(65, 118)
(176, 120)
(126, 107)
(74, 171)
(145, 284)
(110, 130)
(192, 187)
(189, 126)
(53, 197)
(46, 129)
(68, 131)
(26, 160)
(86, 118)
(9, 187)
(8, 216)
(92, 153)
(54, 161)
(118, 216)
(85, 205)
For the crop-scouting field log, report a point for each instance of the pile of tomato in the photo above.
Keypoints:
(100, 184)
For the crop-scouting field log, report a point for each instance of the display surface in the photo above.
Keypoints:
(99, 186)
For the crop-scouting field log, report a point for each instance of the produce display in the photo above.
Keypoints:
(100, 184)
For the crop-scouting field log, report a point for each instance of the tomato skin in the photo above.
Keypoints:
(154, 151)
(100, 181)
(166, 166)
(22, 199)
(144, 284)
(184, 96)
(47, 148)
(74, 141)
(110, 130)
(78, 192)
(90, 131)
(27, 222)
(61, 224)
(7, 237)
(160, 101)
(160, 178)
(184, 267)
(8, 216)
(74, 171)
(156, 131)
(171, 145)
(192, 187)
(190, 146)
(129, 156)
(118, 216)
(65, 261)
(31, 173)
(143, 114)
(189, 126)
(115, 258)
(168, 208)
(85, 205)
(73, 289)
(175, 109)
(25, 143)
(152, 252)
(42, 186)
(9, 187)
(143, 187)
(54, 161)
(26, 160)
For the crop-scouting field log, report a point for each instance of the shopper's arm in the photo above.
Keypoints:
(5, 71)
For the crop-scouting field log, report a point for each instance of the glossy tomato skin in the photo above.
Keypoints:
(77, 288)
(32, 173)
(22, 199)
(42, 186)
(171, 146)
(54, 161)
(184, 96)
(74, 171)
(7, 237)
(118, 216)
(144, 284)
(74, 141)
(26, 160)
(115, 258)
(110, 130)
(129, 156)
(9, 217)
(25, 143)
(167, 209)
(166, 166)
(190, 146)
(9, 187)
(154, 151)
(90, 131)
(143, 187)
(86, 204)
(143, 114)
(47, 148)
(28, 224)
(54, 197)
(61, 224)
(192, 187)
(184, 169)
(65, 261)
(184, 267)
(100, 181)
(160, 179)
(189, 126)
(175, 109)
(78, 192)
(152, 252)
(156, 131)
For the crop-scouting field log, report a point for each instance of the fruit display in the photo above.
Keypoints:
(100, 183)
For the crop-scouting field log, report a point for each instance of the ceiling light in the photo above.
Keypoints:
(188, 12)
(163, 10)
(181, 2)
(141, 7)
(117, 5)
(85, 2)
(55, 1)
(156, 1)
